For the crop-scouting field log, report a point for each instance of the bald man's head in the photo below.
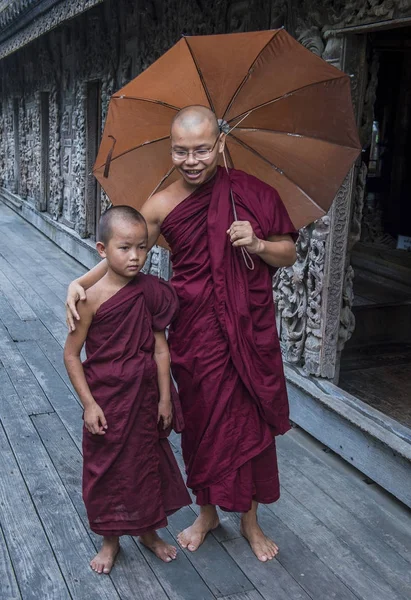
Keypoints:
(196, 117)
(196, 144)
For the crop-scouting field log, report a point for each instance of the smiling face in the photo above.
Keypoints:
(194, 133)
(126, 250)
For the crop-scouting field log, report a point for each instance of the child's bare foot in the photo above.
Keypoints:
(159, 547)
(192, 537)
(104, 560)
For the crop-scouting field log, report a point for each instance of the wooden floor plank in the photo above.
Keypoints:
(40, 246)
(16, 300)
(35, 566)
(347, 492)
(55, 286)
(13, 267)
(132, 577)
(43, 245)
(68, 537)
(55, 324)
(30, 260)
(179, 578)
(312, 574)
(362, 539)
(60, 397)
(254, 595)
(31, 253)
(54, 352)
(271, 579)
(215, 566)
(363, 580)
(8, 582)
(17, 329)
(33, 398)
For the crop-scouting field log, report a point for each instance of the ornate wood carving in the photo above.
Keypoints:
(57, 14)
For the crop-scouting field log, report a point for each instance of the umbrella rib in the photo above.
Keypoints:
(134, 148)
(299, 135)
(207, 93)
(230, 158)
(146, 100)
(251, 110)
(280, 171)
(242, 83)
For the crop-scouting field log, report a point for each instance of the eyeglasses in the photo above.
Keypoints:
(201, 154)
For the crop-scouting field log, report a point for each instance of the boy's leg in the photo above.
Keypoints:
(104, 560)
(159, 547)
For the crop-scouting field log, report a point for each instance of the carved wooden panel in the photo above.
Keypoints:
(45, 151)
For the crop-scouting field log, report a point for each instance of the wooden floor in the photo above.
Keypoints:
(380, 375)
(340, 536)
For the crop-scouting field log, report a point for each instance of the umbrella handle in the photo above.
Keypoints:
(249, 263)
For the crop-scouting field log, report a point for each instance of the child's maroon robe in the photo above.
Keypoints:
(224, 345)
(131, 481)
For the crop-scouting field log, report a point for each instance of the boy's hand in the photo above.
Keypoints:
(165, 412)
(74, 294)
(94, 420)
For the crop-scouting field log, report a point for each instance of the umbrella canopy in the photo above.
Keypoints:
(290, 113)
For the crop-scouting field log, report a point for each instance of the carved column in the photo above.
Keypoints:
(314, 297)
(347, 54)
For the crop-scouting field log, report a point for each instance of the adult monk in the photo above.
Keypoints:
(224, 346)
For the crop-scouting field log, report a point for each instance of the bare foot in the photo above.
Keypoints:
(261, 545)
(104, 560)
(192, 537)
(159, 547)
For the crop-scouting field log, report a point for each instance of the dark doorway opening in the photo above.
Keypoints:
(376, 362)
(16, 132)
(93, 190)
(45, 151)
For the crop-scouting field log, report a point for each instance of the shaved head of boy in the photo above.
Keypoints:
(114, 217)
(123, 240)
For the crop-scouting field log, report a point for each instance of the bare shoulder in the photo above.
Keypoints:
(156, 208)
(96, 295)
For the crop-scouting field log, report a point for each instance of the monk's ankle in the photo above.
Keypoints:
(208, 512)
(111, 541)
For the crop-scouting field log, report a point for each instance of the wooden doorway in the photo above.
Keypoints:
(93, 133)
(16, 132)
(376, 362)
(45, 152)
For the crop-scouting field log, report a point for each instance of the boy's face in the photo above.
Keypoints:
(126, 251)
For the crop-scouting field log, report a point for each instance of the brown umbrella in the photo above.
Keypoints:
(289, 112)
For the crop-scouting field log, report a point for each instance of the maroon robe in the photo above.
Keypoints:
(131, 481)
(224, 345)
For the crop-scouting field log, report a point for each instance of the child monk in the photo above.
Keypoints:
(131, 480)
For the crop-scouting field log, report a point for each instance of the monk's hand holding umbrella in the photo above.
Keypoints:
(276, 251)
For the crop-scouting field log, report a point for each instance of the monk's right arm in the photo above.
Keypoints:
(94, 418)
(151, 212)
